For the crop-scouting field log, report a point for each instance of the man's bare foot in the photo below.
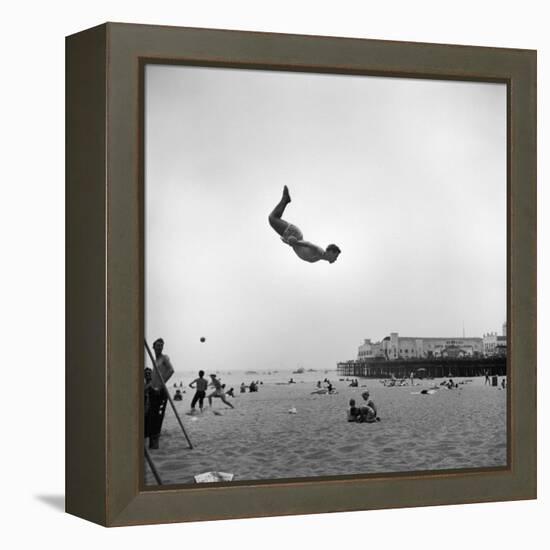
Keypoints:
(286, 194)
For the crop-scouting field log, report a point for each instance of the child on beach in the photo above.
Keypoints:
(291, 235)
(218, 391)
(354, 413)
(200, 384)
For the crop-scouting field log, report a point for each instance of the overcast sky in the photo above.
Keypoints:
(407, 177)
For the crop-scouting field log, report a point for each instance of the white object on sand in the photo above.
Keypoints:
(292, 410)
(213, 477)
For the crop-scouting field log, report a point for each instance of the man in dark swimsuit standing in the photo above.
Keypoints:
(157, 395)
(200, 384)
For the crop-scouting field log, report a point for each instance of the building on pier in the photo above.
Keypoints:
(401, 356)
(395, 347)
(494, 345)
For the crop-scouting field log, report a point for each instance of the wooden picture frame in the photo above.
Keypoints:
(104, 185)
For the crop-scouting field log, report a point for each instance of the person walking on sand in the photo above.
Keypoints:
(291, 235)
(200, 385)
(487, 379)
(157, 394)
(218, 391)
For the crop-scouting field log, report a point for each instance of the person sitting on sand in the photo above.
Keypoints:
(243, 387)
(230, 392)
(218, 391)
(369, 412)
(201, 384)
(291, 235)
(354, 413)
(178, 396)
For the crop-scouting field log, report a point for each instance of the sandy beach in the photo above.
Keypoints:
(260, 439)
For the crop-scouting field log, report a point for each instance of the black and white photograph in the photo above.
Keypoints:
(325, 275)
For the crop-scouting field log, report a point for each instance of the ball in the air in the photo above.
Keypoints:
(203, 339)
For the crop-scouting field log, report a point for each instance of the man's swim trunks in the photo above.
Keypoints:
(292, 231)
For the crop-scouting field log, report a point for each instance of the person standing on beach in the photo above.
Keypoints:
(157, 394)
(218, 391)
(487, 379)
(200, 384)
(147, 377)
(291, 235)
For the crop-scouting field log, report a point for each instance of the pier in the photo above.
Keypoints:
(424, 368)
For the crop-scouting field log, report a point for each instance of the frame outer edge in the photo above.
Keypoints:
(523, 283)
(127, 504)
(85, 366)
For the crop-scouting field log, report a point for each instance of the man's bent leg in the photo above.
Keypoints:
(275, 218)
(226, 402)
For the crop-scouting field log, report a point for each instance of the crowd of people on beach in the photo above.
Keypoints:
(156, 394)
(393, 381)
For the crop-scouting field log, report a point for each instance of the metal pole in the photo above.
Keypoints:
(168, 394)
(152, 466)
